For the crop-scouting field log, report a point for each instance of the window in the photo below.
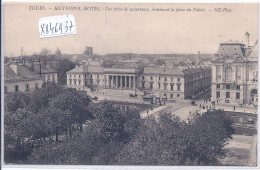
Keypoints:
(5, 89)
(218, 86)
(171, 86)
(151, 78)
(74, 82)
(151, 85)
(159, 85)
(79, 76)
(70, 75)
(159, 78)
(142, 77)
(16, 88)
(165, 86)
(165, 79)
(227, 86)
(53, 77)
(70, 82)
(255, 76)
(27, 87)
(85, 83)
(237, 95)
(74, 76)
(142, 84)
(85, 76)
(165, 94)
(91, 76)
(49, 77)
(79, 82)
(179, 79)
(227, 94)
(228, 73)
(98, 76)
(171, 79)
(218, 94)
(178, 87)
(238, 87)
(171, 95)
(178, 95)
(238, 72)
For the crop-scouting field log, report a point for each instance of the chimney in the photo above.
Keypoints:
(32, 65)
(14, 66)
(21, 51)
(40, 66)
(247, 38)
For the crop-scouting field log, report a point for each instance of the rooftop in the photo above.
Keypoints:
(23, 73)
(162, 71)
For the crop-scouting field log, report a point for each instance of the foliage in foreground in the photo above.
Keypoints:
(168, 141)
(165, 141)
(46, 127)
(34, 117)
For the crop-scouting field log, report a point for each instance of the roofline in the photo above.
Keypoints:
(232, 43)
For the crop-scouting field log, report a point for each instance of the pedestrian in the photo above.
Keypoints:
(234, 107)
(200, 105)
(147, 112)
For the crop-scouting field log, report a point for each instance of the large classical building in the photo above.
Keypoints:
(234, 73)
(131, 77)
(22, 76)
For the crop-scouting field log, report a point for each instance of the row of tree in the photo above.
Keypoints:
(111, 136)
(109, 140)
(32, 117)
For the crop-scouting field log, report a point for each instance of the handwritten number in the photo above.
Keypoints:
(71, 25)
(51, 28)
(57, 28)
(60, 28)
(66, 27)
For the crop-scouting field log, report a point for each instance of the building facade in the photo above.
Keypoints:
(127, 77)
(26, 76)
(234, 73)
(20, 78)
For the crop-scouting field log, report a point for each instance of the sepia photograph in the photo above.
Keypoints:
(129, 84)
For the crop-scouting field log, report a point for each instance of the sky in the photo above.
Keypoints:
(152, 32)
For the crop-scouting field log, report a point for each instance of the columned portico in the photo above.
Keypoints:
(118, 81)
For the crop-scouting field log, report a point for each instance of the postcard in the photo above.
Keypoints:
(129, 85)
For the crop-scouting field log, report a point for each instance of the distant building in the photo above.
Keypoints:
(128, 77)
(88, 51)
(234, 73)
(176, 83)
(27, 75)
(47, 73)
(20, 78)
(175, 61)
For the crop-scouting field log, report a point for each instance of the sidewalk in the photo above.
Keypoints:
(238, 108)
